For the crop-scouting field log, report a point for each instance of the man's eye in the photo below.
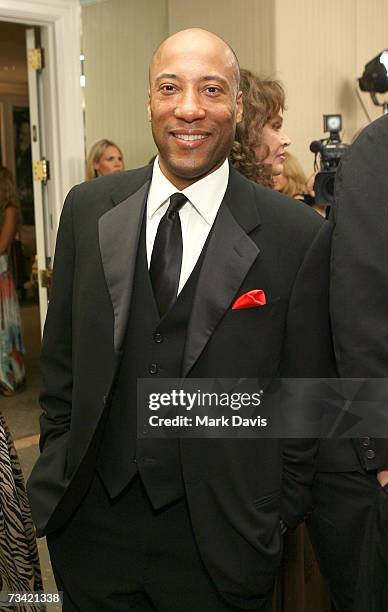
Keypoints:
(167, 88)
(212, 89)
(277, 126)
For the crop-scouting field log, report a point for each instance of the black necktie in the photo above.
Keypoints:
(166, 259)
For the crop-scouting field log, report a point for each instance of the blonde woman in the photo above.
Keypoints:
(12, 375)
(292, 181)
(104, 158)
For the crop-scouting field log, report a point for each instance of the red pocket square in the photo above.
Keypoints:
(252, 299)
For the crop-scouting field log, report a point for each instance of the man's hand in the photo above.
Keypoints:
(382, 477)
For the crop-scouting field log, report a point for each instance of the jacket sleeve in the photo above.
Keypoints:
(56, 355)
(308, 353)
(359, 275)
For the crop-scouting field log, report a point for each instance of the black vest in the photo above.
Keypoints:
(152, 347)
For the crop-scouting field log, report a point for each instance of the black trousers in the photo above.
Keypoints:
(121, 555)
(372, 588)
(348, 529)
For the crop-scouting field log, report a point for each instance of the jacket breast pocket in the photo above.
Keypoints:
(247, 342)
(264, 310)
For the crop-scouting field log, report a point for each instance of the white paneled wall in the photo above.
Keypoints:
(316, 48)
(372, 37)
(316, 61)
(321, 48)
(119, 37)
(247, 25)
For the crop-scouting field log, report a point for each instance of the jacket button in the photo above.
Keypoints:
(370, 454)
(145, 430)
(153, 368)
(158, 338)
(365, 442)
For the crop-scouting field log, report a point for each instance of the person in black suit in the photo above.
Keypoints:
(190, 524)
(349, 524)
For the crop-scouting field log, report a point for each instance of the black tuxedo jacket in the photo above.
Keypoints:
(261, 240)
(359, 273)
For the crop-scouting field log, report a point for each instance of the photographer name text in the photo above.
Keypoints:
(180, 421)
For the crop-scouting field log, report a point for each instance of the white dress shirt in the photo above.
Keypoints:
(197, 215)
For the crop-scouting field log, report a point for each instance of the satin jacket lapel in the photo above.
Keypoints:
(119, 231)
(229, 256)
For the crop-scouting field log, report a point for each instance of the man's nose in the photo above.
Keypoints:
(189, 107)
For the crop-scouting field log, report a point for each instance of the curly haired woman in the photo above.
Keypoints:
(260, 143)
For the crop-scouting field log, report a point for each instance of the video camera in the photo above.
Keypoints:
(331, 150)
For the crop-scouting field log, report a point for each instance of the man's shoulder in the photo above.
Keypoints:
(287, 211)
(120, 183)
(280, 211)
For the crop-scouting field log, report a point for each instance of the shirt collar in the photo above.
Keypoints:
(205, 195)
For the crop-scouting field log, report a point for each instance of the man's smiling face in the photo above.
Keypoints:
(193, 105)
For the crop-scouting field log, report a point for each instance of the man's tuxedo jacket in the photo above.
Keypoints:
(359, 273)
(260, 240)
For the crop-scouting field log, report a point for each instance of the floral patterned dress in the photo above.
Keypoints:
(12, 374)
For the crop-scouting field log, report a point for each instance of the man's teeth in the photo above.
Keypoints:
(190, 136)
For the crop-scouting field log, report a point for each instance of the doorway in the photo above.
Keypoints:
(15, 154)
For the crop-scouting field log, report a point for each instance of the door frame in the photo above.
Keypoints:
(62, 18)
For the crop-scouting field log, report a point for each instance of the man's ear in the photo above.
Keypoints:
(149, 106)
(239, 107)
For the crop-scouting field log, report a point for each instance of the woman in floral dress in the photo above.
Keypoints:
(12, 375)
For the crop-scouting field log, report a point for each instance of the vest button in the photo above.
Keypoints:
(365, 442)
(370, 454)
(158, 338)
(153, 368)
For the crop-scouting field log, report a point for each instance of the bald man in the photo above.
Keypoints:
(148, 267)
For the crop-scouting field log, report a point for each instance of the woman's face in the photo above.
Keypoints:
(276, 140)
(280, 182)
(110, 161)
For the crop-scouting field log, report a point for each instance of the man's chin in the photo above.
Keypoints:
(187, 173)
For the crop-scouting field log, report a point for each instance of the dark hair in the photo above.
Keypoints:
(262, 99)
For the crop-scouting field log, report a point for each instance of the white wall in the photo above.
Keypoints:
(247, 25)
(118, 39)
(316, 48)
(321, 48)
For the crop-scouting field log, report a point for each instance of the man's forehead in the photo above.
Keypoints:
(193, 47)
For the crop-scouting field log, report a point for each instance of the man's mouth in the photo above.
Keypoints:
(188, 137)
(189, 141)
